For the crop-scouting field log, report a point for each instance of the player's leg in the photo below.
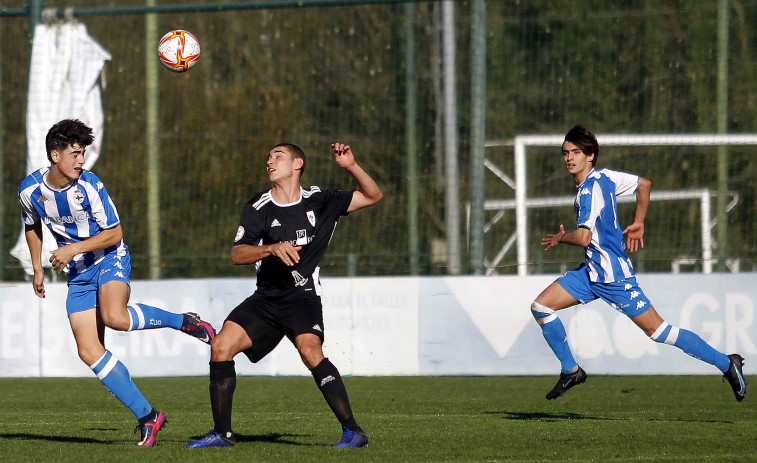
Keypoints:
(566, 291)
(119, 315)
(689, 342)
(330, 383)
(243, 324)
(88, 331)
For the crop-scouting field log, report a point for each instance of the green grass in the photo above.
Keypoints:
(610, 418)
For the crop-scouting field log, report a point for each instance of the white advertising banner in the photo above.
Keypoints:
(400, 326)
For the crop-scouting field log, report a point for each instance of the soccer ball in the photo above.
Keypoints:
(178, 50)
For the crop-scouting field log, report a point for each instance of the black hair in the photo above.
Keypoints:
(296, 153)
(65, 133)
(585, 141)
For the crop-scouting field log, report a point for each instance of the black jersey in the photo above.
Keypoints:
(309, 222)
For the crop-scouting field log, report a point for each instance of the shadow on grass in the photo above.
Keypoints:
(540, 416)
(271, 438)
(65, 439)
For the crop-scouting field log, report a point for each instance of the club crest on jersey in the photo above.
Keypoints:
(311, 217)
(78, 196)
(302, 238)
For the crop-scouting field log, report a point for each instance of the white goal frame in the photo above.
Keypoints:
(521, 203)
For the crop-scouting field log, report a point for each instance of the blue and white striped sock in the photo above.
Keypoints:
(116, 379)
(692, 344)
(146, 317)
(554, 332)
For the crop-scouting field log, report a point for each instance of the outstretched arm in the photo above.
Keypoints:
(368, 192)
(635, 231)
(579, 237)
(33, 235)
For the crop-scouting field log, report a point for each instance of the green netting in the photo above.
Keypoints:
(316, 75)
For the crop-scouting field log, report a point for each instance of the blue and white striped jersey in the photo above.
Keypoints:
(73, 214)
(597, 209)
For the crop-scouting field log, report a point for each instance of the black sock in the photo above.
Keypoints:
(223, 381)
(330, 383)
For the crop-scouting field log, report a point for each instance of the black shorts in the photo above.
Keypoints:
(267, 321)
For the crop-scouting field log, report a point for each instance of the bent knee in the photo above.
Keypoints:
(542, 314)
(665, 333)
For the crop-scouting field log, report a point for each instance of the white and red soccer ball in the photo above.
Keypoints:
(179, 50)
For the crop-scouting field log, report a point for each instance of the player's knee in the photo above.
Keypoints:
(542, 314)
(221, 350)
(665, 333)
(115, 319)
(311, 355)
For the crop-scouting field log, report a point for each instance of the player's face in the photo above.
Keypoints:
(576, 161)
(69, 162)
(280, 164)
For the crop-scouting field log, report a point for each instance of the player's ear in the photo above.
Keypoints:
(298, 163)
(54, 155)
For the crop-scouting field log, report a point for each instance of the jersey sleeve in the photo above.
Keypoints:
(590, 204)
(250, 230)
(625, 184)
(29, 215)
(337, 201)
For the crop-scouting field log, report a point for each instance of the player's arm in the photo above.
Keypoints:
(33, 234)
(635, 231)
(368, 192)
(106, 238)
(578, 237)
(246, 254)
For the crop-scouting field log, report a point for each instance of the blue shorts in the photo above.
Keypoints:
(624, 296)
(83, 288)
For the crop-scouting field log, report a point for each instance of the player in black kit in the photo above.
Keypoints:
(285, 231)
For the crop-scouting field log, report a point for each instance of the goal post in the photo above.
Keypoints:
(522, 202)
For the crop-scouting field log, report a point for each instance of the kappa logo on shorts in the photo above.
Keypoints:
(627, 287)
(119, 274)
(640, 304)
(635, 294)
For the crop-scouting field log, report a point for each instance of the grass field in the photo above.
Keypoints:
(630, 418)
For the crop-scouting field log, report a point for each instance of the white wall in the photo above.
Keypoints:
(400, 326)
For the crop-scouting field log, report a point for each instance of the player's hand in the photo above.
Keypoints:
(635, 236)
(39, 284)
(343, 155)
(288, 254)
(553, 240)
(61, 257)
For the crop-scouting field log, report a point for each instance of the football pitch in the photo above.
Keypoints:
(610, 418)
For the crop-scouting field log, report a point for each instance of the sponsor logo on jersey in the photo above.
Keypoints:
(84, 215)
(302, 238)
(78, 196)
(311, 217)
(275, 223)
(240, 234)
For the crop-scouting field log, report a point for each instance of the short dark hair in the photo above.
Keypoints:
(585, 141)
(296, 153)
(67, 132)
